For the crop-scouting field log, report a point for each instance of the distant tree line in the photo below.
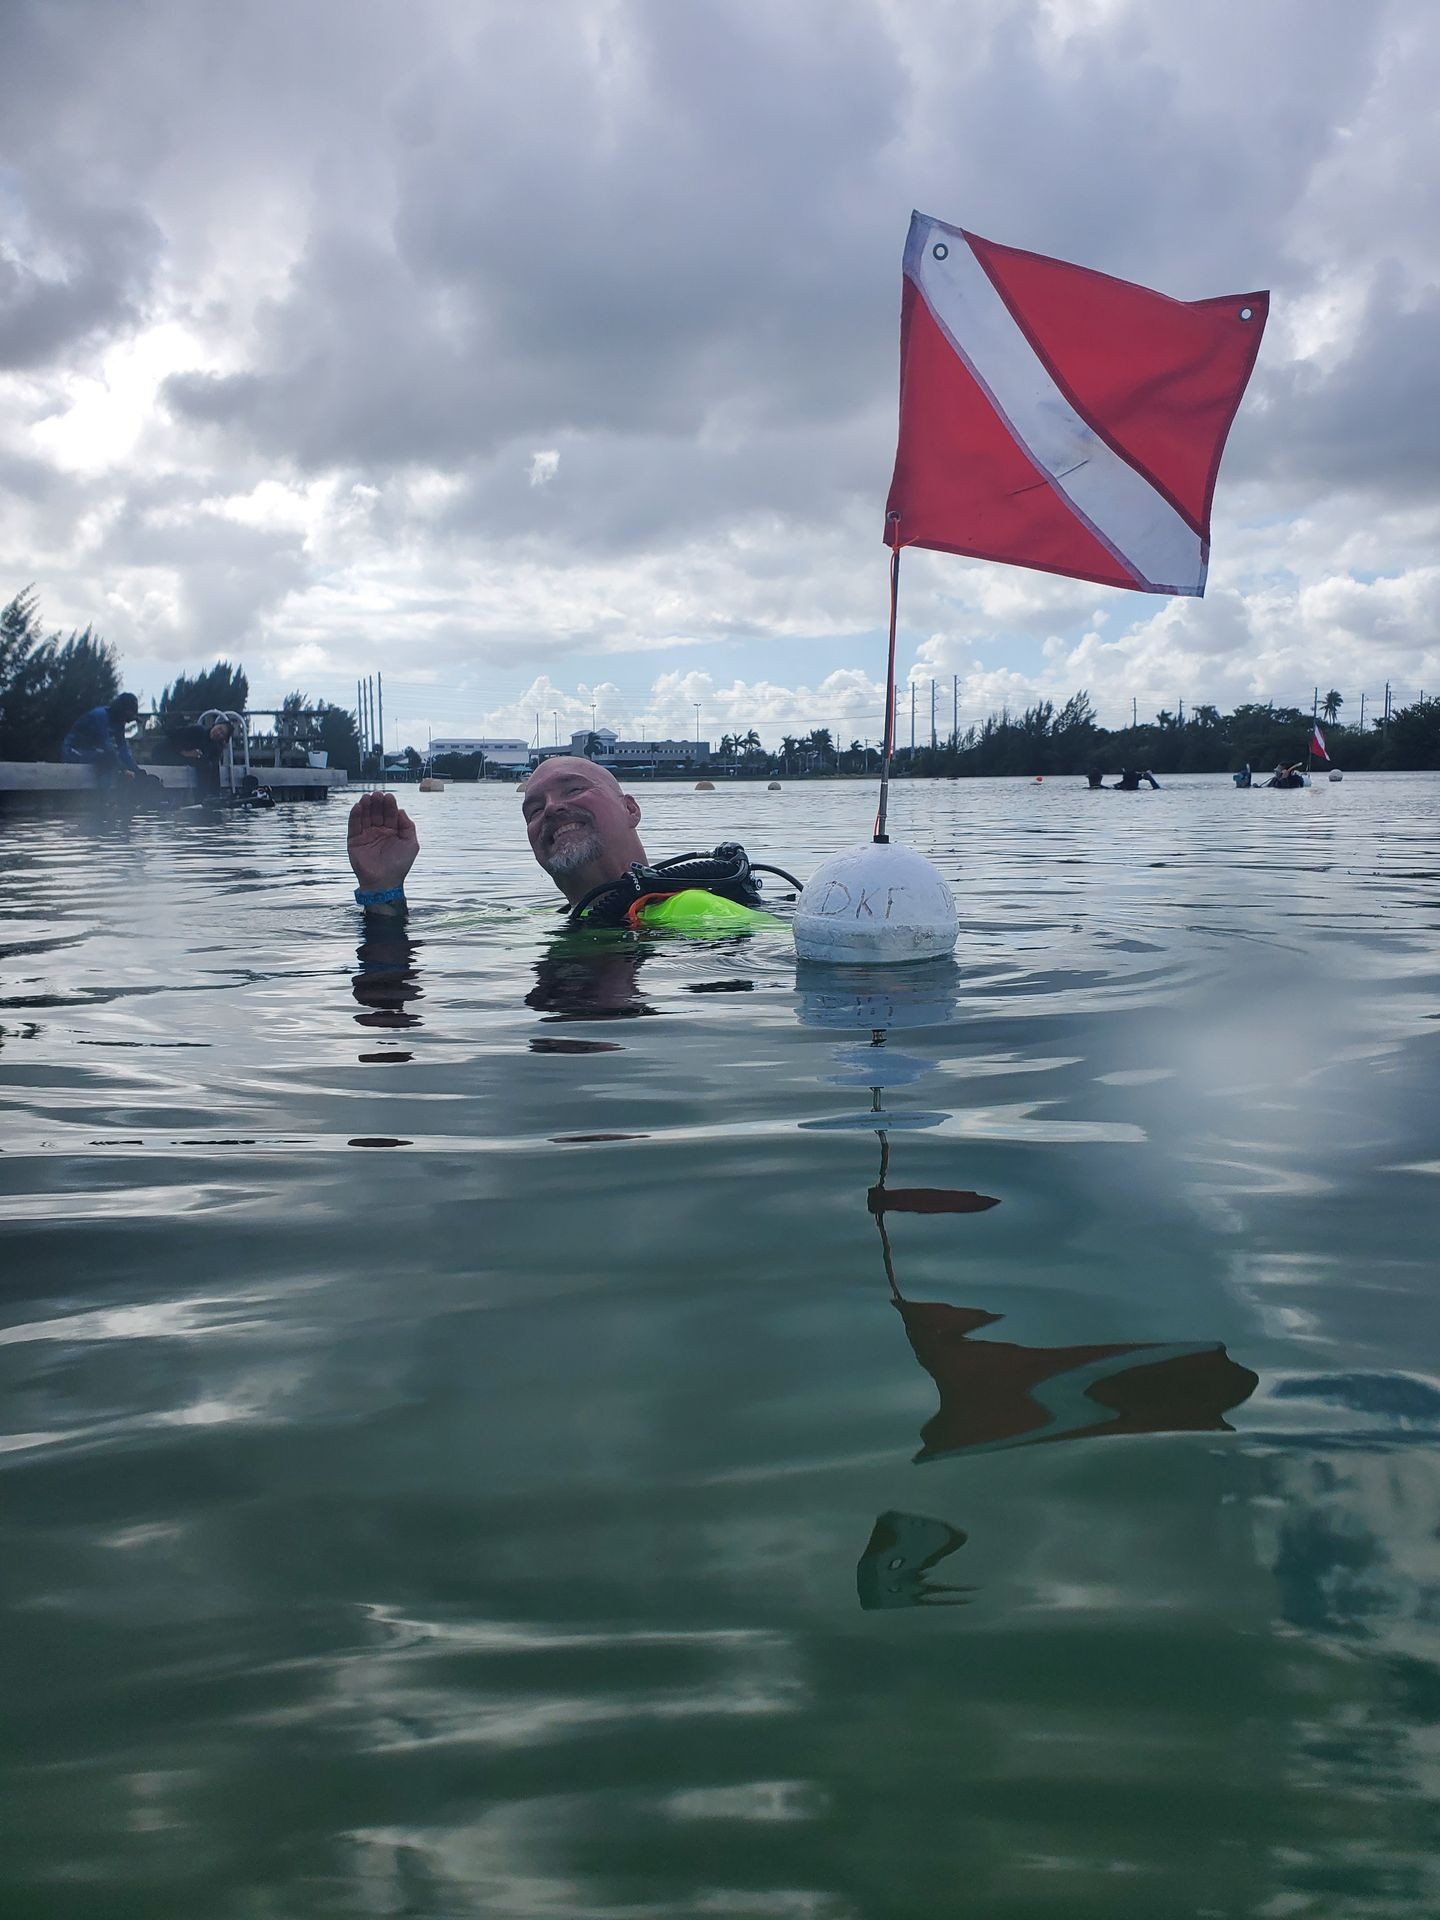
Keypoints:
(1046, 740)
(47, 682)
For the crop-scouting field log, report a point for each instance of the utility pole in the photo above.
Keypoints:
(360, 719)
(1362, 713)
(380, 690)
(912, 719)
(933, 741)
(1315, 707)
(954, 711)
(1387, 706)
(1132, 713)
(1182, 713)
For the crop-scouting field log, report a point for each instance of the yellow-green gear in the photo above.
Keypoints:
(698, 912)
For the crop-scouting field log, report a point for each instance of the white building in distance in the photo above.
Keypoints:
(514, 755)
(635, 755)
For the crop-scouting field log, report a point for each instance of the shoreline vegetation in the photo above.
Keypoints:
(1048, 740)
(47, 680)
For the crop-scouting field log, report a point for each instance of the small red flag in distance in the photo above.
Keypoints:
(1056, 418)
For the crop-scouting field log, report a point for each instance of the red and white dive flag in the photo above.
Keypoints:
(1317, 741)
(1053, 417)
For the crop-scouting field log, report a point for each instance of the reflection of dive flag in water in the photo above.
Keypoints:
(902, 1549)
(1053, 417)
(994, 1394)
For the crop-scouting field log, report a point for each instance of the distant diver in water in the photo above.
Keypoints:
(1131, 780)
(1243, 778)
(582, 829)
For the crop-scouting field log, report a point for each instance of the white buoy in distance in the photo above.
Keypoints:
(875, 905)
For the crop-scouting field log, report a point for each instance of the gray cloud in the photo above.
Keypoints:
(412, 248)
(99, 263)
(1366, 423)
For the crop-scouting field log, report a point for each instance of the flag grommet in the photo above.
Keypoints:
(941, 251)
(1247, 313)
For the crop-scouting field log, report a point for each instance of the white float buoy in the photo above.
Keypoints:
(1336, 774)
(876, 905)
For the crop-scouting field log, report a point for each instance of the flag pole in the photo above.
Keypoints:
(881, 838)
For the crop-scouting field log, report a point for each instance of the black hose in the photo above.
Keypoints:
(760, 866)
(729, 866)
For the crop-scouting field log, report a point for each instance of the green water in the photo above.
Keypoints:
(460, 1431)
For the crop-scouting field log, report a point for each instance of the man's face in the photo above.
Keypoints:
(575, 815)
(220, 733)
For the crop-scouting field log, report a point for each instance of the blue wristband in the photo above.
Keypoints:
(381, 898)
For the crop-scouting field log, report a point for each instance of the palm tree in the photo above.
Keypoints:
(789, 747)
(1330, 706)
(751, 743)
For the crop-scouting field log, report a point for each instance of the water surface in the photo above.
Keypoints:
(493, 1427)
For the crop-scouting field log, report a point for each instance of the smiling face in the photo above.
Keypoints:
(581, 826)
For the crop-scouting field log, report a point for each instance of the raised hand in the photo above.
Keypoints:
(382, 842)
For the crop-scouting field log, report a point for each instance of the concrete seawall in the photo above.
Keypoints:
(51, 781)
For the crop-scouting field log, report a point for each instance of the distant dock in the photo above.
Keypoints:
(50, 782)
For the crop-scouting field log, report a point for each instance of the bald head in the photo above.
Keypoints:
(581, 824)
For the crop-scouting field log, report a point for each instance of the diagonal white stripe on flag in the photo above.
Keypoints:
(1117, 504)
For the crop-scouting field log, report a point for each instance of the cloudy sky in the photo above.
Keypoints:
(541, 354)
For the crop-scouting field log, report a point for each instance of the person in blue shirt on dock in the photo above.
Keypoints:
(97, 740)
